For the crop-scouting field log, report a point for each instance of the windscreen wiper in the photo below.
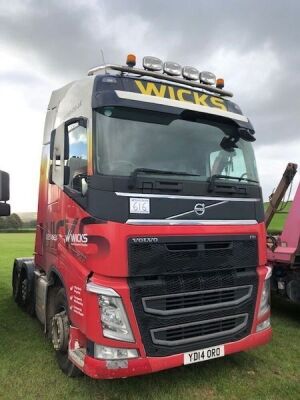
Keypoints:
(134, 174)
(213, 178)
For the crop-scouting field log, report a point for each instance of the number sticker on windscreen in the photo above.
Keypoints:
(139, 206)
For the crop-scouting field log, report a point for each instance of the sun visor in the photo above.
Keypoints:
(158, 96)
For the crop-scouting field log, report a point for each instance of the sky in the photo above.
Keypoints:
(252, 44)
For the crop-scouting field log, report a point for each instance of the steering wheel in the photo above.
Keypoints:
(244, 174)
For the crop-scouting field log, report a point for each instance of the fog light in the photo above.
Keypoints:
(172, 68)
(113, 353)
(263, 325)
(207, 77)
(152, 63)
(190, 73)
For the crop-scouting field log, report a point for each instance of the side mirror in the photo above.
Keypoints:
(66, 175)
(4, 210)
(80, 184)
(84, 186)
(52, 140)
(52, 144)
(229, 143)
(50, 173)
(4, 186)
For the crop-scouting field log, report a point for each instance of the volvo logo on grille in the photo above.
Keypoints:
(199, 208)
(145, 240)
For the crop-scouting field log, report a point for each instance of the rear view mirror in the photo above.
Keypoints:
(60, 130)
(66, 175)
(4, 194)
(4, 186)
(4, 210)
(247, 134)
(229, 143)
(79, 183)
(52, 139)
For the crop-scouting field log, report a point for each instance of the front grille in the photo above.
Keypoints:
(200, 330)
(197, 300)
(197, 305)
(187, 255)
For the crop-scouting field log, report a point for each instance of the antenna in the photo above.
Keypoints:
(103, 59)
(102, 53)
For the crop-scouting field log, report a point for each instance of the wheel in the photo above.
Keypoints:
(58, 329)
(16, 281)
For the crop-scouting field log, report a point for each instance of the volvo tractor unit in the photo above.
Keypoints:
(150, 247)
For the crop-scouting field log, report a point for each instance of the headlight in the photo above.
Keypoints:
(114, 319)
(113, 316)
(265, 296)
(113, 353)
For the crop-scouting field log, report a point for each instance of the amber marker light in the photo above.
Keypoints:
(131, 60)
(220, 83)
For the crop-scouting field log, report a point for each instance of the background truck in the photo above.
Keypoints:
(284, 249)
(150, 247)
(4, 194)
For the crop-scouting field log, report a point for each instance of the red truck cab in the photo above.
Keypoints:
(150, 247)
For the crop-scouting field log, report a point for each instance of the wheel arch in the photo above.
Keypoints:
(55, 278)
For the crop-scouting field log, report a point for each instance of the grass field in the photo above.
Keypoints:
(28, 368)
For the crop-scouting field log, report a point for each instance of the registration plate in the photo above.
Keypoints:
(204, 354)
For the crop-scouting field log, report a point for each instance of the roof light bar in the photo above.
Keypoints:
(131, 60)
(172, 68)
(207, 77)
(190, 73)
(158, 75)
(220, 83)
(152, 63)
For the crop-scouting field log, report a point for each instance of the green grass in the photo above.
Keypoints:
(28, 368)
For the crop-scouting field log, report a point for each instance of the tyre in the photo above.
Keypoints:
(58, 329)
(16, 281)
(23, 286)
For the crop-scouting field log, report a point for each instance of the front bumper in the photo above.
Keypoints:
(145, 365)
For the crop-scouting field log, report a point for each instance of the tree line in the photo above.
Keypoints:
(15, 222)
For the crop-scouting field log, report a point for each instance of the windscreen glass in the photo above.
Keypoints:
(128, 138)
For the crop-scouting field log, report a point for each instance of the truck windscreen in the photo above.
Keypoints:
(128, 139)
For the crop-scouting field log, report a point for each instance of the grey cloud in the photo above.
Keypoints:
(66, 38)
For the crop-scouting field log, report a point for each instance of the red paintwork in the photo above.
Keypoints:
(106, 258)
(140, 366)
